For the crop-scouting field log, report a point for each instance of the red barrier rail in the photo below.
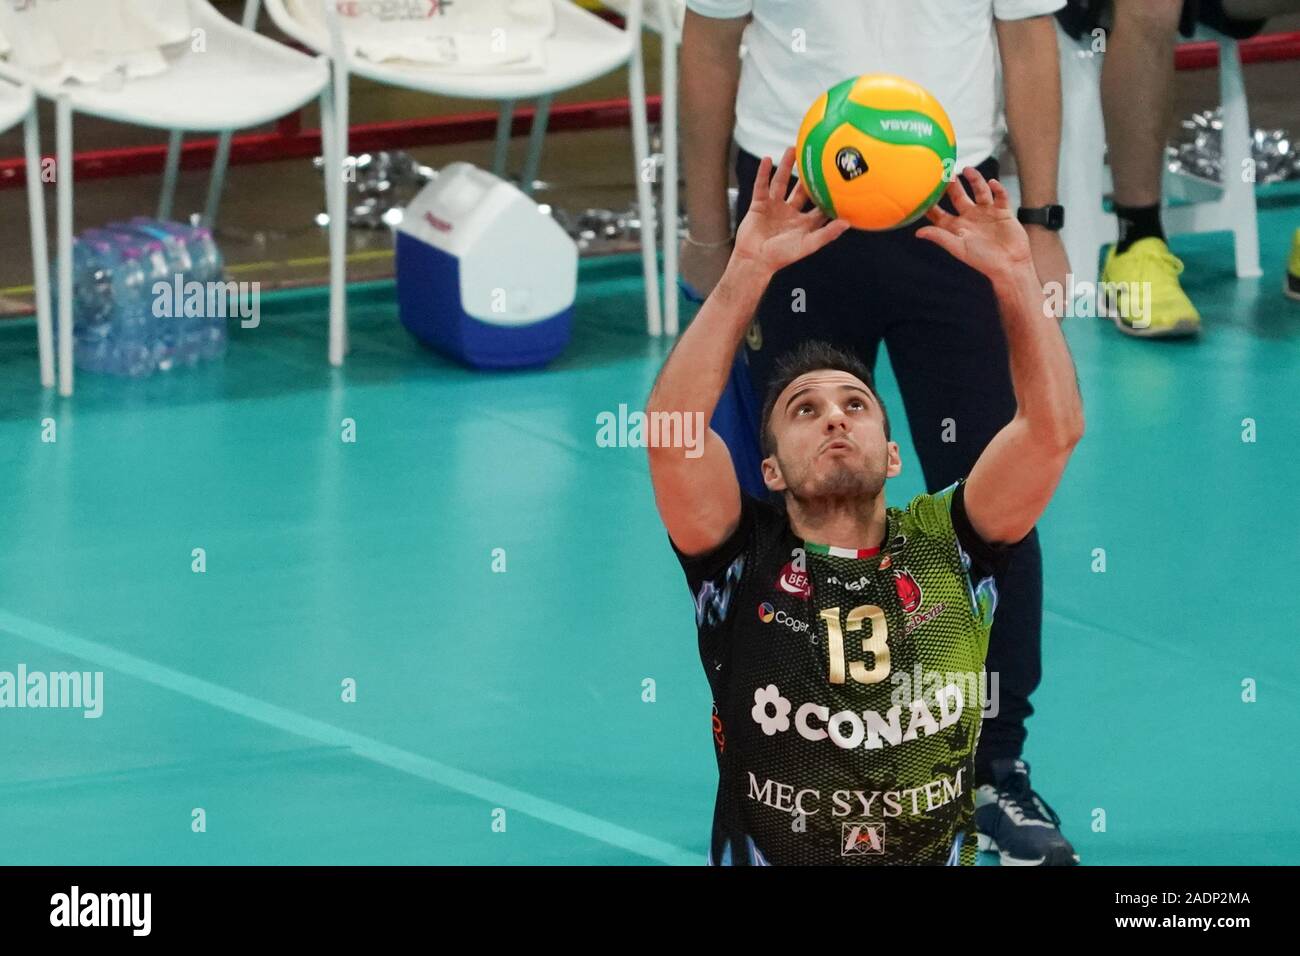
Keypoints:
(290, 141)
(1265, 48)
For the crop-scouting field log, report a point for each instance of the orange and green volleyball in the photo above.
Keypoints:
(876, 150)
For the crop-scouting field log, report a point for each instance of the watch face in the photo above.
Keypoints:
(1055, 217)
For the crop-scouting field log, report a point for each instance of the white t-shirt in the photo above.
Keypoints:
(795, 50)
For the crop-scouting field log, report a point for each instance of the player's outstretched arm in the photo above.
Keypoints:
(696, 489)
(1010, 485)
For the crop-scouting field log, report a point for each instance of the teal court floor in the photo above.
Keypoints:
(521, 691)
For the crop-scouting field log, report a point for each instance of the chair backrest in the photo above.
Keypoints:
(456, 35)
(430, 29)
(88, 36)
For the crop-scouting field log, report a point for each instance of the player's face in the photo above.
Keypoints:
(830, 439)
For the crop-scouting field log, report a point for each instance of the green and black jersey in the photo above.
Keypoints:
(847, 687)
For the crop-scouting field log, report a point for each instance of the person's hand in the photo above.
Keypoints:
(985, 234)
(1050, 260)
(776, 231)
(702, 266)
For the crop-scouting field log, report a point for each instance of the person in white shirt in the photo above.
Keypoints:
(752, 68)
(1137, 99)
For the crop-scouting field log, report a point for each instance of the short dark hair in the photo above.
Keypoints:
(812, 356)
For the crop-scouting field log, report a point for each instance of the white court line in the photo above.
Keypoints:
(490, 791)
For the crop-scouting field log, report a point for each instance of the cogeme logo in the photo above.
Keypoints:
(850, 729)
(767, 614)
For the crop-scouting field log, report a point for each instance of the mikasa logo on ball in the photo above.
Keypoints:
(919, 127)
(850, 163)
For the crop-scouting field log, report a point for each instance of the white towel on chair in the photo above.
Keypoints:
(457, 36)
(85, 40)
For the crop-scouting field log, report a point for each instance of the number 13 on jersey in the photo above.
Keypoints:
(876, 644)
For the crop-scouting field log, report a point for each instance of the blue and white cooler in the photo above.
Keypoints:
(484, 274)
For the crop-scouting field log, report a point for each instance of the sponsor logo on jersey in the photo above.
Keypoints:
(871, 807)
(857, 585)
(862, 839)
(767, 614)
(850, 729)
(909, 590)
(924, 617)
(794, 581)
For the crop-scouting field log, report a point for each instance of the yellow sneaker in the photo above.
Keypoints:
(1140, 291)
(1291, 285)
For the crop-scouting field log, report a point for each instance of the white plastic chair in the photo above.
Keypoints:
(1085, 179)
(1229, 206)
(239, 79)
(18, 105)
(582, 48)
(656, 15)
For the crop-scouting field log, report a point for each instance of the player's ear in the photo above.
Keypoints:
(772, 476)
(895, 463)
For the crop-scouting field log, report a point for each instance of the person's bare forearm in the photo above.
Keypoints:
(693, 378)
(710, 73)
(1042, 373)
(1032, 82)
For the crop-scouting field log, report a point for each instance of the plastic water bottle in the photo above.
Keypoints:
(163, 330)
(92, 305)
(130, 340)
(206, 267)
(121, 273)
(209, 265)
(97, 339)
(182, 332)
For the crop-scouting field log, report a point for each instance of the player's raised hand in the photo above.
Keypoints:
(777, 231)
(985, 234)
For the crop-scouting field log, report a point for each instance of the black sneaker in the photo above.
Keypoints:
(1016, 822)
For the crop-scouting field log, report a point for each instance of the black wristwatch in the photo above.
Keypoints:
(1049, 217)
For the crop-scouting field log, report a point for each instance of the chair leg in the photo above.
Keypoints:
(536, 140)
(327, 149)
(40, 248)
(251, 9)
(668, 125)
(170, 174)
(334, 114)
(221, 162)
(64, 177)
(501, 151)
(644, 195)
(217, 182)
(1238, 163)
